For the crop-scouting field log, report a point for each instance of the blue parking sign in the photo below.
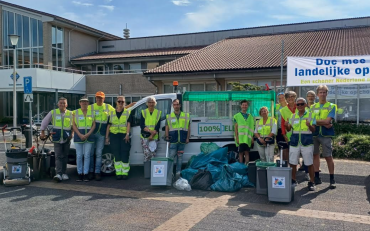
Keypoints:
(27, 83)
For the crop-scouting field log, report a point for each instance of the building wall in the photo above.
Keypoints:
(78, 44)
(47, 45)
(110, 84)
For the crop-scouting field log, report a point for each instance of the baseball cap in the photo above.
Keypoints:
(84, 99)
(100, 94)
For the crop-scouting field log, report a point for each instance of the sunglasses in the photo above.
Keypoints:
(300, 104)
(120, 101)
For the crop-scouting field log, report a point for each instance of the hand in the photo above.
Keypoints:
(42, 137)
(286, 124)
(262, 141)
(70, 137)
(154, 132)
(150, 138)
(308, 124)
(286, 138)
(106, 141)
(82, 137)
(187, 140)
(328, 126)
(237, 139)
(127, 138)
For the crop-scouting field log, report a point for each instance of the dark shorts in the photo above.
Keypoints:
(244, 148)
(280, 137)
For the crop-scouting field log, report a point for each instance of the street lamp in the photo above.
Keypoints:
(14, 40)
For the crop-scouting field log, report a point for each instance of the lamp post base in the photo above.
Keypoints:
(14, 137)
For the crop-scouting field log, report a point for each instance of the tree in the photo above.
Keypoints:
(244, 87)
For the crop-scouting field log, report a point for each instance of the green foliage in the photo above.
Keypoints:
(352, 146)
(345, 128)
(244, 87)
(6, 120)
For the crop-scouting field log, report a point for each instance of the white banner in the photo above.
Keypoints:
(335, 70)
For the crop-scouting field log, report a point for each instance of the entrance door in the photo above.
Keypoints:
(100, 69)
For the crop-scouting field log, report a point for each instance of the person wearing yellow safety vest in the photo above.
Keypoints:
(265, 127)
(302, 124)
(101, 111)
(61, 120)
(286, 113)
(311, 96)
(118, 135)
(83, 126)
(325, 113)
(149, 124)
(244, 128)
(177, 133)
(282, 103)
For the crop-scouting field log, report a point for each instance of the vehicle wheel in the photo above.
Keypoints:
(52, 172)
(107, 163)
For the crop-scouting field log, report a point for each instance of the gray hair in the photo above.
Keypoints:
(301, 98)
(311, 92)
(151, 98)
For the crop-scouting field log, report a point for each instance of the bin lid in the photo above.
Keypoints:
(161, 159)
(265, 164)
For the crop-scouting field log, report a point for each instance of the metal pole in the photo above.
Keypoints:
(30, 118)
(14, 96)
(282, 65)
(38, 108)
(56, 98)
(358, 104)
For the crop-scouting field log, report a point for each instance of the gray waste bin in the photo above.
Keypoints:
(261, 178)
(279, 182)
(161, 171)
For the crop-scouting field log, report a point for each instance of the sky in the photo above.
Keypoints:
(163, 17)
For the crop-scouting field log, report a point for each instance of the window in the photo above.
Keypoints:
(100, 69)
(118, 68)
(135, 67)
(57, 35)
(87, 68)
(136, 114)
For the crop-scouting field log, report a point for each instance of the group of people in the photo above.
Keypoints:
(99, 124)
(304, 127)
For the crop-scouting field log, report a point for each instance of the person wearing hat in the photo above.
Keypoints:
(83, 126)
(61, 120)
(118, 136)
(101, 111)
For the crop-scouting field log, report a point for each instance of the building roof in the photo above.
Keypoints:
(258, 52)
(139, 53)
(106, 36)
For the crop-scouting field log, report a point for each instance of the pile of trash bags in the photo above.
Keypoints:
(214, 171)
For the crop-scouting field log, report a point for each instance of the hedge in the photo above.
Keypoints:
(352, 146)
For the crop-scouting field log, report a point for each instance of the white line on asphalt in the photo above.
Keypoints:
(21, 189)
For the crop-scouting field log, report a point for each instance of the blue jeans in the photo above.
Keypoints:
(99, 145)
(177, 150)
(83, 150)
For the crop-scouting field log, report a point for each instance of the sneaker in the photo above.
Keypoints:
(118, 177)
(307, 176)
(65, 177)
(97, 176)
(318, 180)
(91, 175)
(86, 178)
(80, 178)
(294, 183)
(311, 186)
(332, 184)
(124, 177)
(57, 178)
(178, 175)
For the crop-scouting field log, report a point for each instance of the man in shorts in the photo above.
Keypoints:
(302, 124)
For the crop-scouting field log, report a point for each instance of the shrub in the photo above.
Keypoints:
(345, 128)
(352, 146)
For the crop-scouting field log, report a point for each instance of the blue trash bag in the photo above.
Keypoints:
(229, 181)
(188, 173)
(246, 183)
(215, 171)
(239, 168)
(217, 157)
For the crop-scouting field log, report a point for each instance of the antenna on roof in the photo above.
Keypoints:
(126, 33)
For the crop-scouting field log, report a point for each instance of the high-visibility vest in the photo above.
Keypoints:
(322, 113)
(265, 129)
(278, 114)
(62, 128)
(83, 124)
(245, 128)
(101, 117)
(119, 125)
(178, 128)
(300, 131)
(151, 120)
(286, 114)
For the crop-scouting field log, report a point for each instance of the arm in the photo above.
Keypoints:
(76, 129)
(236, 133)
(273, 129)
(107, 132)
(128, 128)
(91, 130)
(167, 132)
(44, 124)
(187, 138)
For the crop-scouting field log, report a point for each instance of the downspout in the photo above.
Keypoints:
(69, 44)
(152, 82)
(219, 85)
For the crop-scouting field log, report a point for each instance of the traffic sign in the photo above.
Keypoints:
(27, 83)
(17, 76)
(28, 98)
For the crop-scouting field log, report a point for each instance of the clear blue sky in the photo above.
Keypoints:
(162, 17)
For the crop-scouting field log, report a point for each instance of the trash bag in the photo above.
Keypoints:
(188, 173)
(239, 168)
(190, 161)
(218, 157)
(182, 184)
(202, 180)
(207, 148)
(229, 181)
(232, 157)
(246, 183)
(215, 171)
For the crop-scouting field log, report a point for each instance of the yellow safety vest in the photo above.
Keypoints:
(286, 114)
(101, 117)
(245, 128)
(83, 124)
(322, 113)
(300, 131)
(62, 128)
(119, 125)
(178, 128)
(151, 120)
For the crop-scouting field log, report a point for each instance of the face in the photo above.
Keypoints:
(84, 104)
(151, 104)
(301, 105)
(322, 94)
(244, 106)
(291, 99)
(281, 98)
(311, 98)
(120, 102)
(264, 112)
(99, 100)
(176, 106)
(62, 104)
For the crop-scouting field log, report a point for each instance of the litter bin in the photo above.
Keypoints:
(279, 181)
(252, 171)
(261, 179)
(161, 171)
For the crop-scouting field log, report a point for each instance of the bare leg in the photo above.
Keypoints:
(294, 171)
(241, 157)
(311, 171)
(246, 157)
(316, 162)
(330, 162)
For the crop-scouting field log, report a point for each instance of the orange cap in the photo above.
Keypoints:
(100, 94)
(175, 83)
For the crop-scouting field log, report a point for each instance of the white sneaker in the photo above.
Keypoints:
(65, 177)
(57, 178)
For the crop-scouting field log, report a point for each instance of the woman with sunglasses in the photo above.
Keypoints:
(118, 136)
